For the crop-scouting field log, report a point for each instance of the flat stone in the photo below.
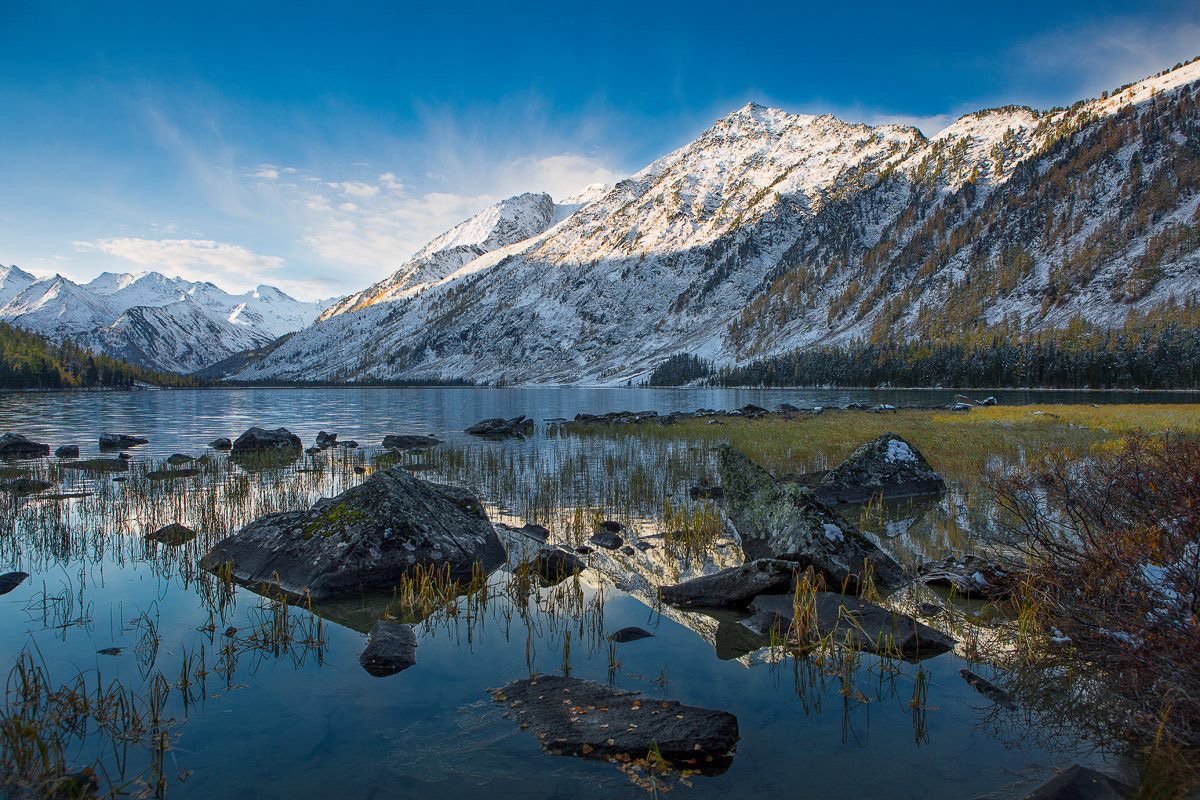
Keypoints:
(606, 539)
(409, 441)
(576, 717)
(852, 621)
(734, 587)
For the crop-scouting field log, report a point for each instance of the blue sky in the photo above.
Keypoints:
(316, 145)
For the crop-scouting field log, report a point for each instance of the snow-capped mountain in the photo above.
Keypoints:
(150, 319)
(774, 230)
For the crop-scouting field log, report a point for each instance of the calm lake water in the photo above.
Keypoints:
(310, 722)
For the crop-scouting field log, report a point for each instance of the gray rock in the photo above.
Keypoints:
(606, 539)
(221, 443)
(68, 451)
(554, 565)
(99, 465)
(11, 580)
(365, 539)
(391, 648)
(852, 621)
(171, 474)
(887, 466)
(15, 445)
(1081, 783)
(261, 440)
(785, 521)
(120, 441)
(734, 587)
(575, 717)
(27, 485)
(172, 535)
(500, 428)
(176, 459)
(409, 441)
(325, 440)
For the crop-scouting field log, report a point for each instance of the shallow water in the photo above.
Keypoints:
(310, 722)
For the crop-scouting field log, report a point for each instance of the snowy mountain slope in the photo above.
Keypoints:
(147, 318)
(774, 230)
(13, 281)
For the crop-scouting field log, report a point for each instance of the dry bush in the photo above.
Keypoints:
(1113, 592)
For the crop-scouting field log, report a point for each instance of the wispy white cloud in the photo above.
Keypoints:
(231, 266)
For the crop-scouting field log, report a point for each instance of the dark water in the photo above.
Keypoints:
(298, 725)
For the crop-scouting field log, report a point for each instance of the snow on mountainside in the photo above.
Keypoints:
(774, 230)
(147, 318)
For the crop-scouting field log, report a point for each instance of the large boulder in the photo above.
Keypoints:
(854, 622)
(786, 521)
(734, 587)
(365, 539)
(120, 441)
(261, 440)
(391, 648)
(15, 445)
(887, 466)
(575, 717)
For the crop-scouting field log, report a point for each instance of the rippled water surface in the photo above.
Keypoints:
(305, 720)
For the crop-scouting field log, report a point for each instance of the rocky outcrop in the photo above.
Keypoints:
(734, 587)
(409, 441)
(785, 521)
(499, 428)
(575, 717)
(365, 539)
(120, 441)
(1081, 783)
(887, 466)
(391, 648)
(15, 445)
(261, 440)
(854, 622)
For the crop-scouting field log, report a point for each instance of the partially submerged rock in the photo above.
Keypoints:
(499, 428)
(1081, 783)
(67, 451)
(99, 465)
(221, 443)
(887, 466)
(734, 587)
(365, 539)
(172, 535)
(988, 689)
(554, 565)
(16, 445)
(326, 440)
(576, 717)
(120, 441)
(971, 576)
(853, 622)
(785, 521)
(631, 634)
(177, 459)
(11, 580)
(409, 441)
(706, 491)
(27, 485)
(171, 474)
(260, 440)
(391, 648)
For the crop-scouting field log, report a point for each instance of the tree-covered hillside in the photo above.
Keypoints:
(29, 361)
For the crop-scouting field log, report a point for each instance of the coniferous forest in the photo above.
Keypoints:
(30, 361)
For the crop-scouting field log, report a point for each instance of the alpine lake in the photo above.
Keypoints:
(122, 655)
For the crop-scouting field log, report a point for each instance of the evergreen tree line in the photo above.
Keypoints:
(30, 361)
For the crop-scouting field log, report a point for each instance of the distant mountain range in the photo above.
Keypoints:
(775, 231)
(150, 320)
